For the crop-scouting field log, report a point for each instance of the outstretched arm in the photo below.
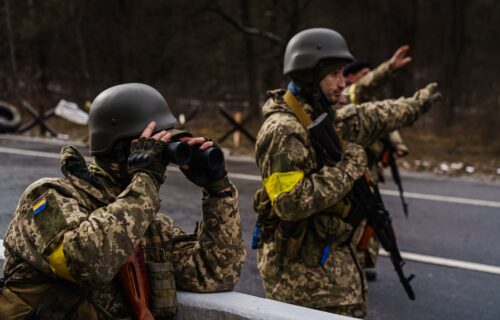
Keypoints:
(364, 123)
(367, 87)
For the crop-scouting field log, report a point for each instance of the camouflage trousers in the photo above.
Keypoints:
(352, 310)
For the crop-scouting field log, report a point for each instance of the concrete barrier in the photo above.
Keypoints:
(239, 306)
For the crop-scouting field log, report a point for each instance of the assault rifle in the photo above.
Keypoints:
(389, 159)
(368, 202)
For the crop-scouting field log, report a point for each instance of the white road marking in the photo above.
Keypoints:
(244, 176)
(410, 257)
(249, 177)
(433, 197)
(406, 255)
(447, 262)
(40, 154)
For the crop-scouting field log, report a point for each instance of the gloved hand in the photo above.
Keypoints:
(427, 96)
(212, 180)
(354, 160)
(146, 155)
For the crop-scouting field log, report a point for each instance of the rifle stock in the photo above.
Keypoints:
(369, 204)
(134, 280)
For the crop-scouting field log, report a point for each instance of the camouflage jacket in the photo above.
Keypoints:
(367, 87)
(363, 91)
(67, 228)
(309, 198)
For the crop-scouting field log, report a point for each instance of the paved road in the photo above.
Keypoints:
(449, 228)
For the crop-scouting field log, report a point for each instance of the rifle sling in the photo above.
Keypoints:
(297, 109)
(356, 215)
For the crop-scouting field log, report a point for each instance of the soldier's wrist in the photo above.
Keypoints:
(219, 187)
(158, 180)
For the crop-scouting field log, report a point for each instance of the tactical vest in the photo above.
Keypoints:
(304, 239)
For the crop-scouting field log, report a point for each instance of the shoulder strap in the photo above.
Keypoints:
(301, 115)
(297, 109)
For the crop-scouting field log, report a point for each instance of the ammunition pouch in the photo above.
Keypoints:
(325, 229)
(306, 239)
(289, 237)
(163, 295)
(161, 277)
(268, 221)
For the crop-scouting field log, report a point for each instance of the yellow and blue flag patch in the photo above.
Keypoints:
(40, 206)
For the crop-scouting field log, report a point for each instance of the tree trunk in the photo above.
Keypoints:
(251, 65)
(12, 48)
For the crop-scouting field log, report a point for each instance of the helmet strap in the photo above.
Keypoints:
(315, 97)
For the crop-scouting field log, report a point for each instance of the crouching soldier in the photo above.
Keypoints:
(70, 237)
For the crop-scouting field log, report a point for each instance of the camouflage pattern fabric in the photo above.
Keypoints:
(367, 87)
(362, 91)
(283, 145)
(365, 123)
(353, 310)
(365, 90)
(100, 227)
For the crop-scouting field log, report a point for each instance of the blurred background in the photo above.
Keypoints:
(209, 53)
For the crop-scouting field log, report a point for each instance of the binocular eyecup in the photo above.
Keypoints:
(181, 153)
(177, 152)
(211, 158)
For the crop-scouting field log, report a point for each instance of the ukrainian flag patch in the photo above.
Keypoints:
(40, 206)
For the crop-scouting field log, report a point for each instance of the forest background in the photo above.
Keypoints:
(208, 53)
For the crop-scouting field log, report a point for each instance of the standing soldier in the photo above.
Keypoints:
(363, 84)
(304, 203)
(70, 236)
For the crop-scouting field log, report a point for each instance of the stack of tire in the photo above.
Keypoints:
(10, 118)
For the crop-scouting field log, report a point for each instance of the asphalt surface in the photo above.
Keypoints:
(435, 228)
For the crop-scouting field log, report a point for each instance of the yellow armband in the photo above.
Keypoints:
(352, 94)
(281, 182)
(58, 265)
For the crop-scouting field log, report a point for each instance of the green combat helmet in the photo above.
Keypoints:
(313, 53)
(124, 111)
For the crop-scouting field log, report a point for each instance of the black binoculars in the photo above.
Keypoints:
(181, 153)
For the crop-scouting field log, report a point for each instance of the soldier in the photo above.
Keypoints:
(363, 83)
(304, 203)
(69, 236)
(362, 86)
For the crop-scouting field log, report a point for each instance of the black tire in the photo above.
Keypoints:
(10, 118)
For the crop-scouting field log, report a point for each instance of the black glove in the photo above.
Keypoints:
(212, 180)
(146, 155)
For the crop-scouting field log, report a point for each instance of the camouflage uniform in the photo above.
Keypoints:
(362, 91)
(303, 201)
(94, 225)
(366, 90)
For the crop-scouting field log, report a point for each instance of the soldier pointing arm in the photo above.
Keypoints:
(305, 201)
